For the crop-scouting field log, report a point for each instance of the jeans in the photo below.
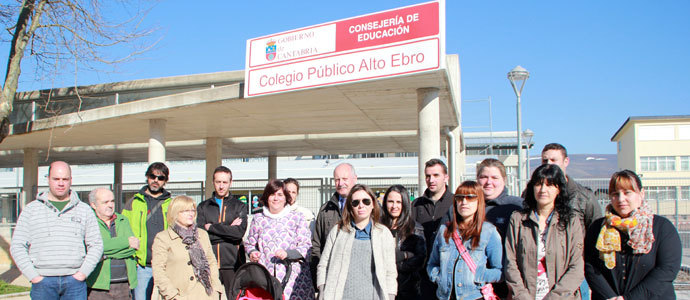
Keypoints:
(59, 287)
(144, 283)
(584, 290)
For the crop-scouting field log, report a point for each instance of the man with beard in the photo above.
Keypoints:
(147, 214)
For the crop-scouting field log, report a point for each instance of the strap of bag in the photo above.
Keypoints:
(464, 253)
(155, 209)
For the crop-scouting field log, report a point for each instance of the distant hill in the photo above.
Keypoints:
(586, 165)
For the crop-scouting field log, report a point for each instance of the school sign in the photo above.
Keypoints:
(389, 43)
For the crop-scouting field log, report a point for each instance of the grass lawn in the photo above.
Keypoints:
(6, 288)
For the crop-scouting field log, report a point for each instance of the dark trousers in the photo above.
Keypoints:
(226, 278)
(427, 288)
(117, 291)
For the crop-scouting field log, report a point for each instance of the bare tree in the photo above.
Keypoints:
(60, 33)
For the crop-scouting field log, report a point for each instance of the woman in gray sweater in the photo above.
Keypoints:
(358, 259)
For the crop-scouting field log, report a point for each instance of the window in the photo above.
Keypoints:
(685, 163)
(685, 193)
(661, 193)
(658, 163)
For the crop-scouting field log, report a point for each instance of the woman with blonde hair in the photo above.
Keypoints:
(358, 258)
(183, 263)
(631, 253)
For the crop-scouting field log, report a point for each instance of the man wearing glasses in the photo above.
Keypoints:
(147, 212)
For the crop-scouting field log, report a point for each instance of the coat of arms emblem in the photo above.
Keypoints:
(271, 50)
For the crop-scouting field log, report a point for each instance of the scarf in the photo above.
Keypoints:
(202, 271)
(638, 226)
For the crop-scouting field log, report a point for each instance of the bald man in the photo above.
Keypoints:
(56, 243)
(116, 274)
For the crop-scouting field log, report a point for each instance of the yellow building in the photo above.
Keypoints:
(658, 149)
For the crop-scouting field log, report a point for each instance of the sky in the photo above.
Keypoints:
(592, 64)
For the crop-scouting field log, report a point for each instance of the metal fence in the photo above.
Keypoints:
(669, 197)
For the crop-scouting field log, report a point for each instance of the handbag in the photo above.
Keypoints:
(488, 289)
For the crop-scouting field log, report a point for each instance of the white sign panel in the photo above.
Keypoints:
(390, 43)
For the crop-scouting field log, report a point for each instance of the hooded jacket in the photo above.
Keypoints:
(136, 210)
(48, 242)
(225, 239)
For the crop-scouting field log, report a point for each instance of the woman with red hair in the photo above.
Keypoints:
(467, 252)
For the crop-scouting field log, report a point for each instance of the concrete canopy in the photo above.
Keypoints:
(363, 117)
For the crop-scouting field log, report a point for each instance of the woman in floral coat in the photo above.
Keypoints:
(279, 233)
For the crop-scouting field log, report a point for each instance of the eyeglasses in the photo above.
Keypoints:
(160, 178)
(189, 211)
(468, 197)
(366, 201)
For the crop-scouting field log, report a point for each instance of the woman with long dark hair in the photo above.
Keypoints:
(467, 251)
(358, 258)
(631, 253)
(544, 241)
(410, 249)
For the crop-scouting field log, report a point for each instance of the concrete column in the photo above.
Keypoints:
(117, 185)
(429, 129)
(157, 140)
(30, 176)
(214, 151)
(272, 166)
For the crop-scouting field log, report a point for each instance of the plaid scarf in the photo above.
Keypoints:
(638, 226)
(202, 271)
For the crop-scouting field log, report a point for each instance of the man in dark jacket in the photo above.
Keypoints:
(330, 212)
(225, 219)
(429, 209)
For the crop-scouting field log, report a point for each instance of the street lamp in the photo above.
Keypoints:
(528, 137)
(518, 76)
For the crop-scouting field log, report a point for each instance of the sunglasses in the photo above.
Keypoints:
(366, 201)
(468, 197)
(160, 178)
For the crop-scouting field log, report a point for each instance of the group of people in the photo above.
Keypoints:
(476, 242)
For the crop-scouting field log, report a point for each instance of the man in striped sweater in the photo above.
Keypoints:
(57, 243)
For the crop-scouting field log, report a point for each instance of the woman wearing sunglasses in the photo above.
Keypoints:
(631, 253)
(410, 248)
(358, 258)
(467, 252)
(544, 241)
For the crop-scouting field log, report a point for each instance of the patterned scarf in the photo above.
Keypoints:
(638, 226)
(196, 254)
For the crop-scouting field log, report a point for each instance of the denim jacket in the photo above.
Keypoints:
(447, 269)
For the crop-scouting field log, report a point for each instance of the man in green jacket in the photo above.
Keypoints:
(147, 213)
(116, 273)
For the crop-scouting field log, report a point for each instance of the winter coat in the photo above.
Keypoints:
(564, 262)
(636, 276)
(431, 214)
(173, 273)
(447, 269)
(225, 239)
(114, 248)
(584, 203)
(329, 215)
(48, 242)
(410, 255)
(335, 261)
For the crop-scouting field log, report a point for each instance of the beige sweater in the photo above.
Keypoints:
(335, 261)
